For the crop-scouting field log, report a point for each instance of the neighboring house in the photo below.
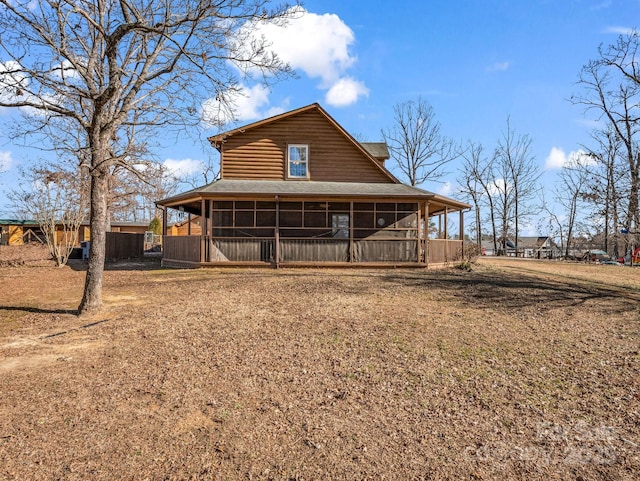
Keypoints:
(538, 247)
(19, 231)
(189, 226)
(123, 227)
(298, 189)
(488, 248)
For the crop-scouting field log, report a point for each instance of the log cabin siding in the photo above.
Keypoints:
(260, 153)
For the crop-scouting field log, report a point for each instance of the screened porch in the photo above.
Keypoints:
(311, 232)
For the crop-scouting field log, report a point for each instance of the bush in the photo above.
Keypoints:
(155, 226)
(465, 258)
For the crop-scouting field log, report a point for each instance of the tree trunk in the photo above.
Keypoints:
(515, 202)
(92, 298)
(478, 223)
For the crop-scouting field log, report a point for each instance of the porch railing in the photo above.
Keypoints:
(444, 250)
(314, 250)
(320, 250)
(235, 249)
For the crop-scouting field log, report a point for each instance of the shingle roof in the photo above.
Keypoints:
(378, 150)
(18, 222)
(292, 188)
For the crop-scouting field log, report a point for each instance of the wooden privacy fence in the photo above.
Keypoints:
(181, 248)
(121, 245)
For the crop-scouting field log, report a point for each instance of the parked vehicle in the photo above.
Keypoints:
(598, 256)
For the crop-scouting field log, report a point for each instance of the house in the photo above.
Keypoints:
(21, 231)
(538, 247)
(190, 226)
(297, 189)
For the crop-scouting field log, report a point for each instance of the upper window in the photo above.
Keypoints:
(298, 161)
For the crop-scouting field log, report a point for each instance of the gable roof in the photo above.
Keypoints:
(218, 140)
(524, 242)
(532, 242)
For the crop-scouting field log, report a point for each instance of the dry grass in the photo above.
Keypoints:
(516, 370)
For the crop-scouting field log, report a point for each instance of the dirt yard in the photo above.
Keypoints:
(515, 370)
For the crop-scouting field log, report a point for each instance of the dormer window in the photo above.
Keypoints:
(298, 160)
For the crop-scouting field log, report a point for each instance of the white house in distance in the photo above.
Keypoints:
(536, 247)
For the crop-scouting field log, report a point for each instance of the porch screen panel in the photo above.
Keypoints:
(385, 251)
(242, 250)
(314, 250)
(385, 232)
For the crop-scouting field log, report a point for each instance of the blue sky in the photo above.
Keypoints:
(476, 62)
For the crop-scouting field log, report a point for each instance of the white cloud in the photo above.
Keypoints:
(345, 92)
(183, 167)
(246, 103)
(67, 69)
(6, 161)
(274, 111)
(497, 187)
(317, 45)
(249, 101)
(446, 189)
(13, 81)
(618, 30)
(14, 87)
(600, 6)
(557, 159)
(498, 67)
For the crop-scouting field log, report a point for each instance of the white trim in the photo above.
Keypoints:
(305, 161)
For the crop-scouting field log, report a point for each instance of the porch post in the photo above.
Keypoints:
(446, 220)
(426, 233)
(202, 230)
(210, 230)
(276, 234)
(164, 221)
(419, 243)
(351, 231)
(462, 232)
(210, 224)
(189, 223)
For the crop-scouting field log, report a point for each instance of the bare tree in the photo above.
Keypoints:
(611, 85)
(208, 172)
(570, 193)
(472, 180)
(133, 191)
(416, 142)
(607, 185)
(115, 71)
(517, 181)
(55, 198)
(503, 200)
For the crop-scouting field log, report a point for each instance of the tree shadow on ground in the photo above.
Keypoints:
(124, 265)
(38, 310)
(518, 290)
